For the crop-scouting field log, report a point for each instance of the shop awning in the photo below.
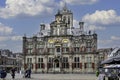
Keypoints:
(112, 60)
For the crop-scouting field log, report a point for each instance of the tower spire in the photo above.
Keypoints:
(65, 6)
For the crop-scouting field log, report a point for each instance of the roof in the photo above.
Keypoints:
(114, 51)
(113, 66)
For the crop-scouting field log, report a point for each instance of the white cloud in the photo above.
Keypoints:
(8, 37)
(3, 45)
(16, 38)
(104, 42)
(79, 2)
(113, 41)
(88, 27)
(6, 33)
(3, 38)
(5, 29)
(94, 27)
(102, 17)
(29, 7)
(115, 38)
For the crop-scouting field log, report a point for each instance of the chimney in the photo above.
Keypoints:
(42, 27)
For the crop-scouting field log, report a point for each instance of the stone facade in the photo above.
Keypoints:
(63, 48)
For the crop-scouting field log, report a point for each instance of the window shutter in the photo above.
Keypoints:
(48, 65)
(80, 65)
(43, 66)
(67, 65)
(36, 66)
(62, 65)
(85, 65)
(73, 65)
(93, 65)
(25, 66)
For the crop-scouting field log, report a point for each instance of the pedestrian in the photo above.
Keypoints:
(13, 73)
(25, 73)
(3, 74)
(97, 73)
(20, 72)
(29, 73)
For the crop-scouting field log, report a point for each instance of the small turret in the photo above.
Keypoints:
(81, 24)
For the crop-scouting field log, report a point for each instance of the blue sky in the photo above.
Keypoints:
(19, 17)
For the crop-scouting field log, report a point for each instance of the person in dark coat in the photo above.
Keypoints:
(28, 73)
(25, 74)
(13, 73)
(3, 74)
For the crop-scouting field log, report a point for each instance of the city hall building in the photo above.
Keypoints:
(62, 48)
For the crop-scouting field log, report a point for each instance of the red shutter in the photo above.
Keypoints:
(85, 65)
(73, 65)
(80, 65)
(68, 65)
(36, 66)
(93, 66)
(43, 65)
(48, 65)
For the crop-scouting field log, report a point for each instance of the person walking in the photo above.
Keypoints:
(3, 74)
(29, 73)
(13, 73)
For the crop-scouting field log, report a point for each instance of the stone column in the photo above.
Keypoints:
(34, 64)
(45, 62)
(83, 63)
(70, 64)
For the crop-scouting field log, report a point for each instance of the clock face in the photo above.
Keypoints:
(58, 19)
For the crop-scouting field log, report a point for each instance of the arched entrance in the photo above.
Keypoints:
(56, 65)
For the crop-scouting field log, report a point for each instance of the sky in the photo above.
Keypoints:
(19, 17)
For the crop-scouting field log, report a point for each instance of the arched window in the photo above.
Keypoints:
(68, 20)
(64, 19)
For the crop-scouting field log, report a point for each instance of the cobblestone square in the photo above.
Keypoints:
(55, 77)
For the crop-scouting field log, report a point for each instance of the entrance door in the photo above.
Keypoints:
(56, 65)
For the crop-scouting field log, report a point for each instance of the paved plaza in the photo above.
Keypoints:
(55, 77)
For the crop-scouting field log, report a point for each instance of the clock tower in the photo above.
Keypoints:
(58, 17)
(58, 27)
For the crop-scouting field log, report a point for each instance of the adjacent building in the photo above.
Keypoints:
(9, 60)
(103, 55)
(62, 48)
